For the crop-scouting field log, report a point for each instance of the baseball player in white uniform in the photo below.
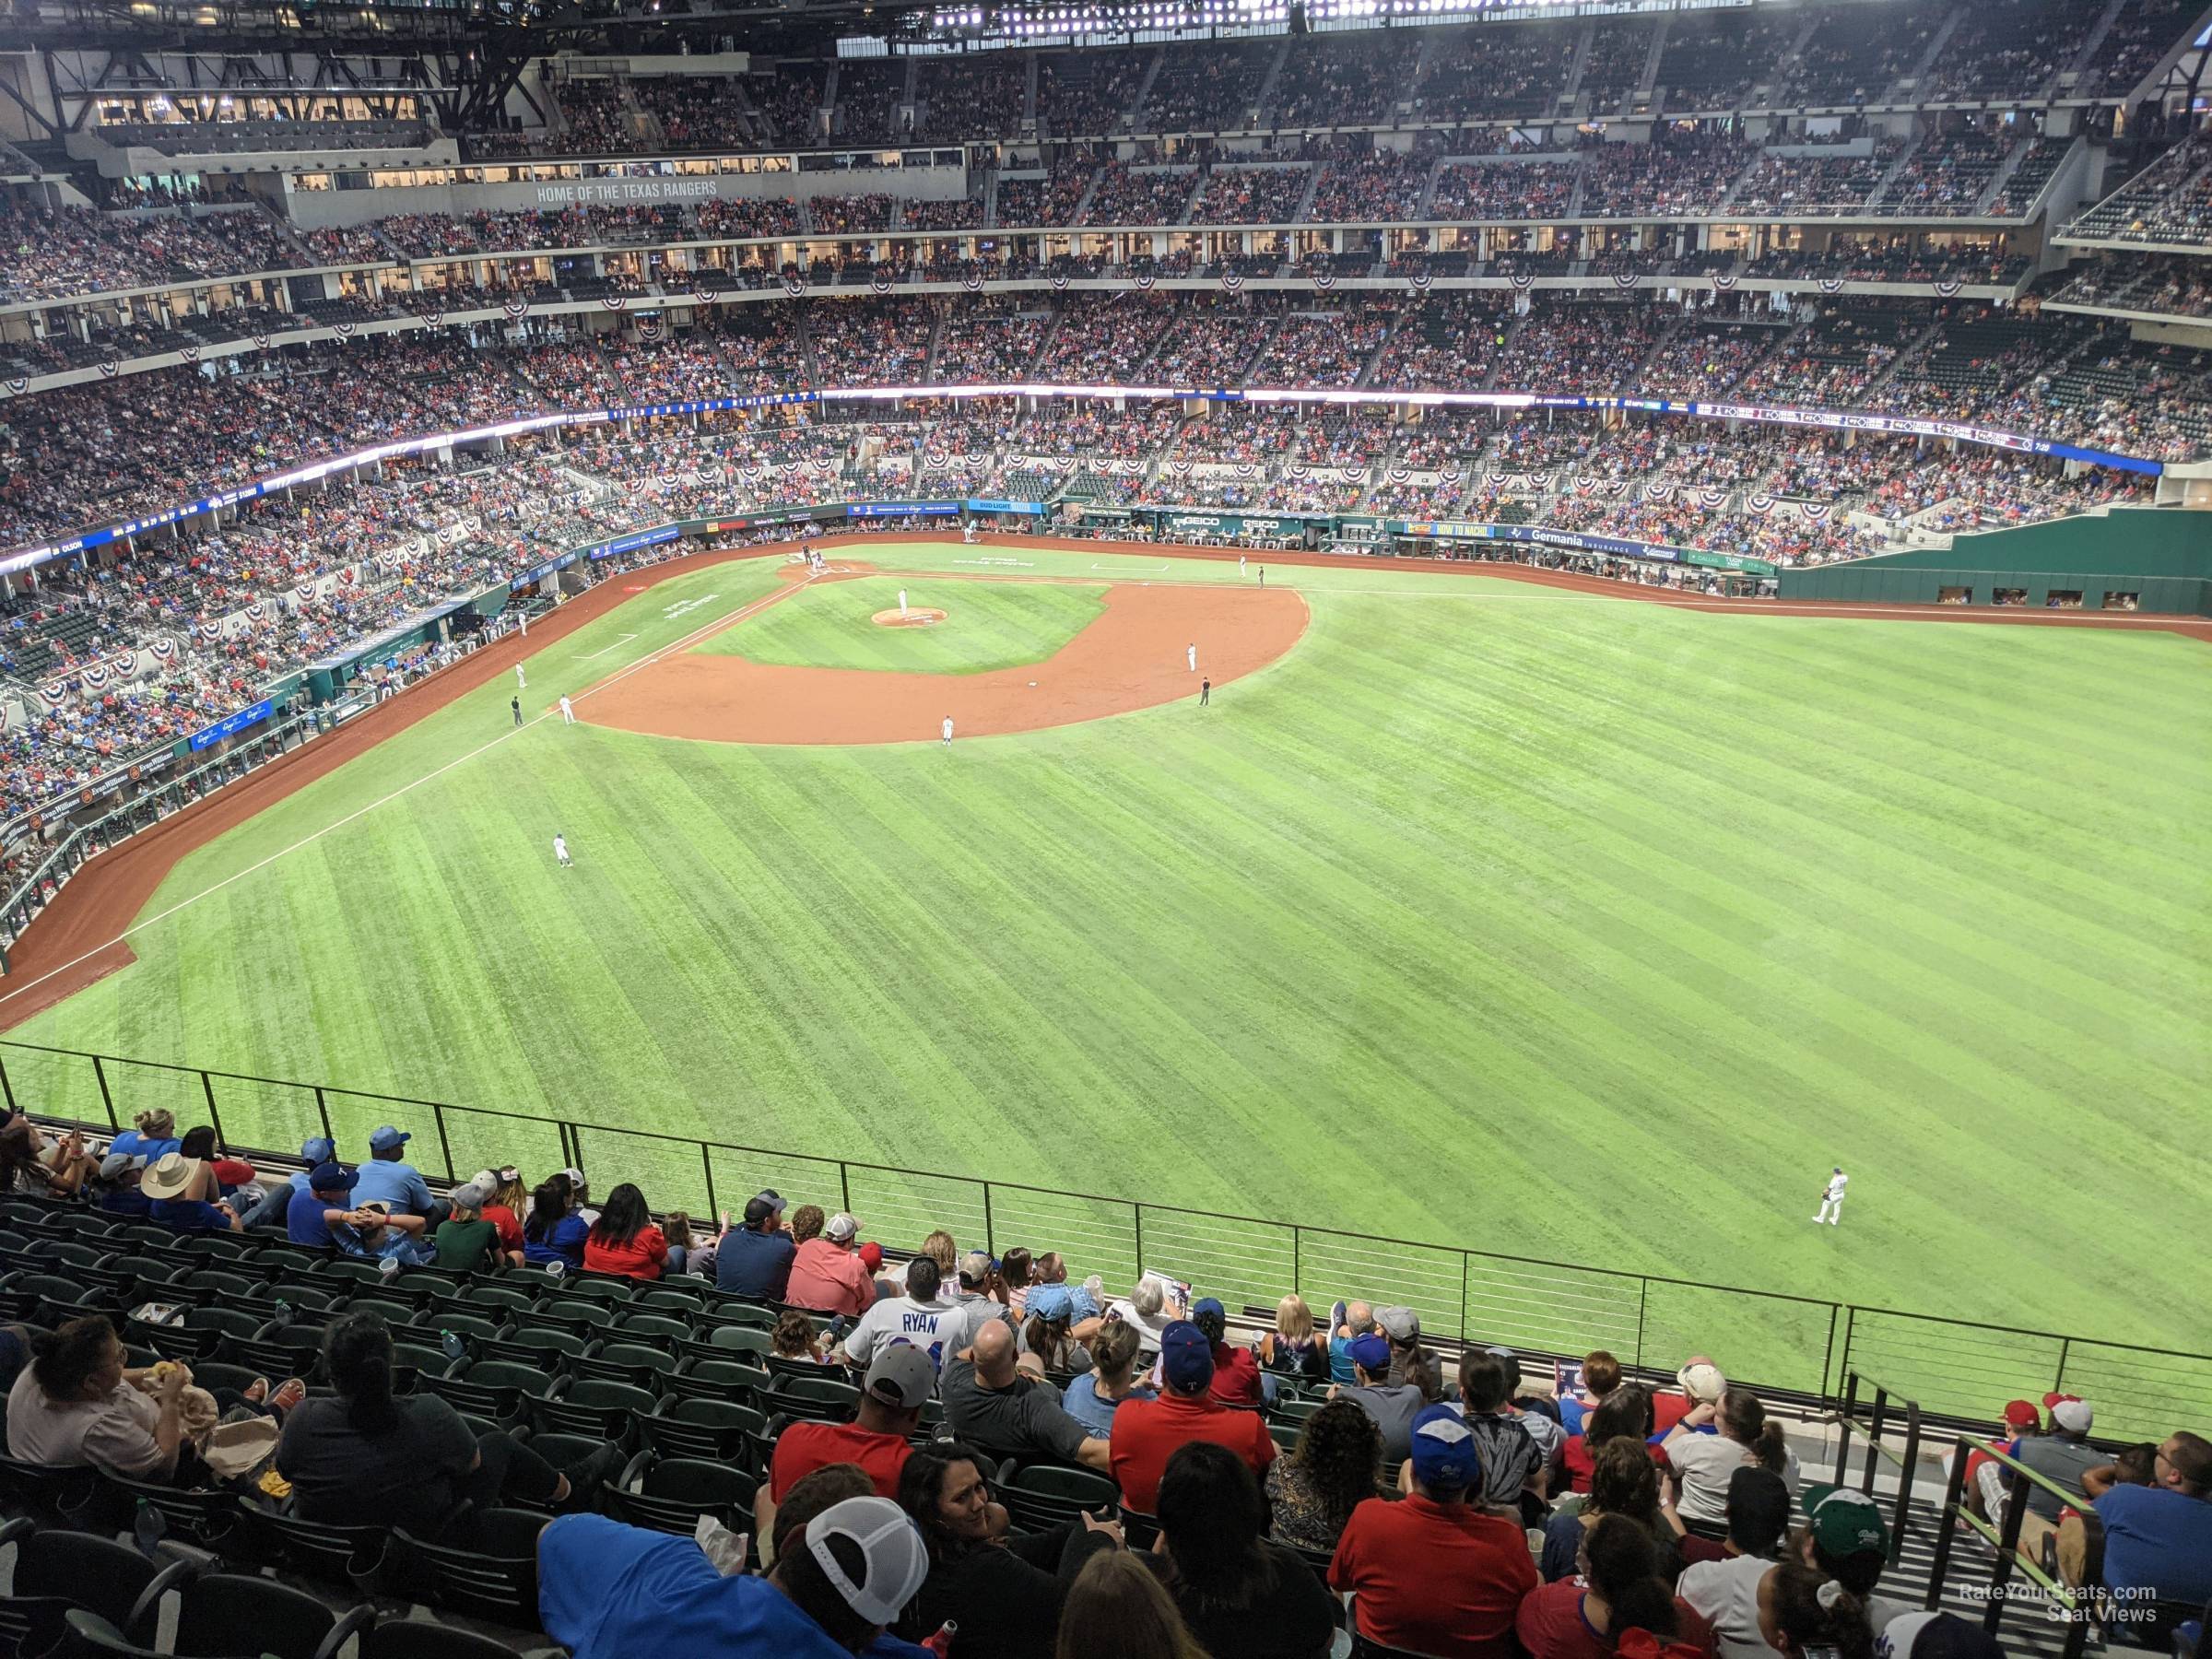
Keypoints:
(902, 604)
(948, 730)
(560, 853)
(1192, 656)
(520, 683)
(568, 714)
(1239, 564)
(1832, 1200)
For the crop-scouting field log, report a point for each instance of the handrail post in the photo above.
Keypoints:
(990, 1241)
(2008, 1547)
(1643, 1297)
(844, 1187)
(1904, 1481)
(99, 1075)
(1827, 1362)
(1947, 1526)
(706, 1160)
(444, 1146)
(2065, 1351)
(215, 1117)
(1137, 1213)
(323, 1113)
(1850, 1407)
(7, 1087)
(1874, 1437)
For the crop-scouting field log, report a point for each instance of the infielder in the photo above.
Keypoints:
(561, 853)
(1832, 1200)
(902, 604)
(568, 714)
(948, 730)
(968, 533)
(520, 683)
(1239, 564)
(1192, 656)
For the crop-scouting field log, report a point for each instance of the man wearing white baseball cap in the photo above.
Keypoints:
(609, 1591)
(2063, 1456)
(827, 1274)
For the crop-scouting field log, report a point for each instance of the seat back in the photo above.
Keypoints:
(314, 1549)
(1039, 1496)
(700, 1427)
(674, 1492)
(221, 1611)
(594, 1406)
(488, 1567)
(410, 1639)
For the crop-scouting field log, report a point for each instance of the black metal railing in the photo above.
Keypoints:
(1955, 1372)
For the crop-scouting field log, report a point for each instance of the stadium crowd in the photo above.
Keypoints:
(780, 1429)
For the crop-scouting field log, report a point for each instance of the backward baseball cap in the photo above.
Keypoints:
(892, 1560)
(901, 1375)
(1845, 1522)
(1400, 1325)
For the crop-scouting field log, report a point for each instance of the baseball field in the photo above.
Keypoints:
(1470, 912)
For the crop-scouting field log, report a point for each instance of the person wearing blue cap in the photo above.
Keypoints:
(1236, 1374)
(1146, 1432)
(1392, 1404)
(388, 1179)
(328, 1190)
(1434, 1574)
(274, 1209)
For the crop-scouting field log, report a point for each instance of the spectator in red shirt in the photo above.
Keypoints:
(1236, 1372)
(1702, 1384)
(505, 1210)
(1432, 1574)
(1146, 1433)
(624, 1240)
(827, 1274)
(1626, 1410)
(1617, 1591)
(899, 1380)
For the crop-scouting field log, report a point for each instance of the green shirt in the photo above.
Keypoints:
(463, 1246)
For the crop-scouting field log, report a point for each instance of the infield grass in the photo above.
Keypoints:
(1492, 915)
(987, 625)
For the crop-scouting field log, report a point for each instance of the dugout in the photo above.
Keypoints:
(2148, 559)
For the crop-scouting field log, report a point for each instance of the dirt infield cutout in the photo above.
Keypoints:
(1137, 655)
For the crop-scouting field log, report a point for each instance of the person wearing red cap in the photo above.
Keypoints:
(1985, 1476)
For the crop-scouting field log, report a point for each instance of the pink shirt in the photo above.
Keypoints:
(826, 1278)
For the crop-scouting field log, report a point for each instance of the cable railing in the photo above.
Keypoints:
(1806, 1349)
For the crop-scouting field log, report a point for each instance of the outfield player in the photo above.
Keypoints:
(1832, 1200)
(560, 851)
(948, 730)
(520, 683)
(568, 714)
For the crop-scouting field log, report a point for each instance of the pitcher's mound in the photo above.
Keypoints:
(917, 617)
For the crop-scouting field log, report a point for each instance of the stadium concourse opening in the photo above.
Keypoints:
(1140, 654)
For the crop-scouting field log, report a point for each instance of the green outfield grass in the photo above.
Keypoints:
(1491, 915)
(987, 625)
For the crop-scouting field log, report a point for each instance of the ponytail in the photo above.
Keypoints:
(1746, 1421)
(1812, 1611)
(548, 1208)
(1624, 1570)
(357, 1351)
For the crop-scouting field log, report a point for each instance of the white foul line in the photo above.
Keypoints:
(602, 650)
(646, 660)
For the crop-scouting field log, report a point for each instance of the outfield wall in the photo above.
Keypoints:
(2163, 556)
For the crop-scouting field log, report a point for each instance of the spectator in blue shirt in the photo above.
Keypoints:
(2157, 1538)
(388, 1178)
(755, 1260)
(1348, 1322)
(152, 1136)
(178, 1190)
(329, 1191)
(274, 1209)
(609, 1591)
(116, 1191)
(375, 1233)
(555, 1231)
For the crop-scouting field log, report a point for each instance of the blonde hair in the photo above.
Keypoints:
(1117, 1608)
(1293, 1319)
(941, 1250)
(160, 1125)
